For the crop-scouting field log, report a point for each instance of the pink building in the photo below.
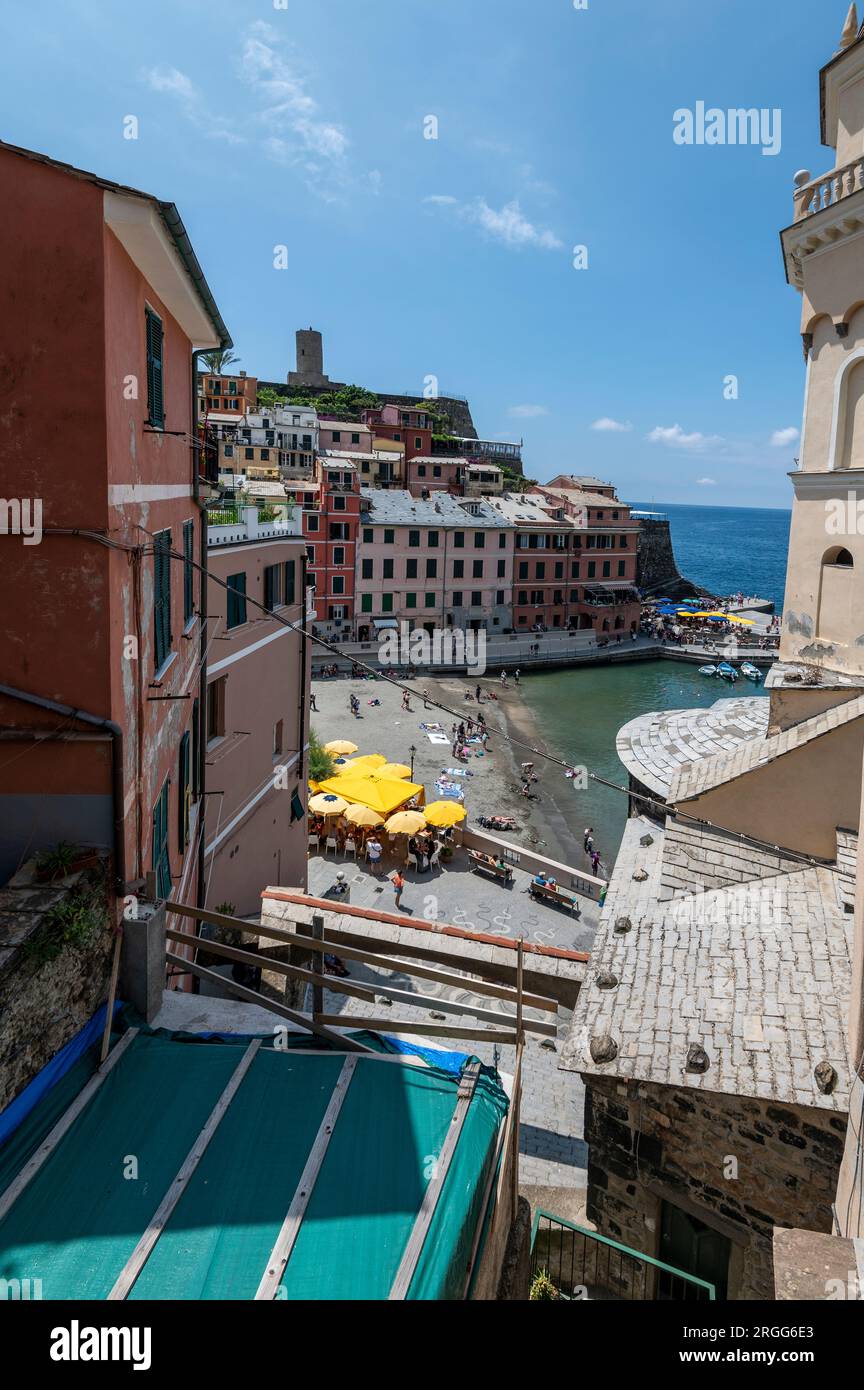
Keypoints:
(257, 703)
(441, 562)
(344, 436)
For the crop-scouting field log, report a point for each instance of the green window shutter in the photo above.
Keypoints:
(161, 862)
(196, 748)
(366, 603)
(386, 603)
(236, 599)
(184, 797)
(272, 587)
(290, 595)
(162, 595)
(410, 600)
(188, 572)
(154, 336)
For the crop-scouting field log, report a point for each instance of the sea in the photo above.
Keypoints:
(579, 712)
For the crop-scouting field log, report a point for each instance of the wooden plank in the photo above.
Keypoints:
(253, 997)
(290, 1229)
(416, 1240)
(363, 990)
(351, 951)
(404, 1025)
(63, 1125)
(143, 1250)
(112, 994)
(318, 967)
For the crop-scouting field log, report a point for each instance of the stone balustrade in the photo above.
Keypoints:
(814, 195)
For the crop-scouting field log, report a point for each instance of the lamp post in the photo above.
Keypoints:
(413, 751)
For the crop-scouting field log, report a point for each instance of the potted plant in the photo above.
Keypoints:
(62, 860)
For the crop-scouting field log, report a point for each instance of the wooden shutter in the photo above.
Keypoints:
(184, 798)
(188, 572)
(155, 403)
(290, 596)
(162, 595)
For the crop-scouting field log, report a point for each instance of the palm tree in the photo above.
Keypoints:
(217, 361)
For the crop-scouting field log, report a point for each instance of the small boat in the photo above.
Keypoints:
(708, 670)
(727, 672)
(751, 672)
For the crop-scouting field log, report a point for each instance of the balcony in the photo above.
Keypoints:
(818, 194)
(230, 522)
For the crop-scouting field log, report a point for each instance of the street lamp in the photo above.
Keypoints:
(413, 751)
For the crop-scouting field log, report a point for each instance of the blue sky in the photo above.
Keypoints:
(301, 123)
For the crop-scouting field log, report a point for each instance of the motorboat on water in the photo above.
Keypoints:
(707, 670)
(751, 672)
(727, 672)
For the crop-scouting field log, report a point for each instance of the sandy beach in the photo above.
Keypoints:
(550, 825)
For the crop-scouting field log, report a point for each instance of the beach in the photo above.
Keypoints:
(550, 825)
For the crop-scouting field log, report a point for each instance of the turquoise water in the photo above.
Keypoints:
(725, 549)
(579, 714)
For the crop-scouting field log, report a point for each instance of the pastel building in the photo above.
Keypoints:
(225, 397)
(407, 426)
(604, 554)
(344, 435)
(433, 563)
(331, 519)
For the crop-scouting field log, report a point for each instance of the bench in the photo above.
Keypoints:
(486, 865)
(560, 896)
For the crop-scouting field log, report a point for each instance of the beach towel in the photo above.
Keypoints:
(449, 791)
(456, 772)
(434, 737)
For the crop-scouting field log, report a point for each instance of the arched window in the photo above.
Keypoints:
(838, 556)
(836, 620)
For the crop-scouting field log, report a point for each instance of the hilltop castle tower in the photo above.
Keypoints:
(310, 360)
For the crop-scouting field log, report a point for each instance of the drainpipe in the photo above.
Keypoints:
(201, 772)
(304, 644)
(116, 768)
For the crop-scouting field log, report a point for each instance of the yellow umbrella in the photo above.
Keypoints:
(405, 823)
(327, 804)
(398, 770)
(444, 813)
(748, 622)
(363, 815)
(340, 747)
(361, 767)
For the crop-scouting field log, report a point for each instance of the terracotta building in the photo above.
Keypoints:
(102, 664)
(331, 520)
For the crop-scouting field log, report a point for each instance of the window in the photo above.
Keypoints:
(388, 569)
(432, 541)
(366, 603)
(410, 569)
(540, 570)
(476, 598)
(479, 540)
(436, 470)
(272, 587)
(418, 442)
(188, 572)
(389, 535)
(574, 570)
(339, 504)
(161, 862)
(607, 568)
(184, 795)
(502, 568)
(414, 539)
(421, 470)
(499, 596)
(523, 569)
(459, 539)
(337, 436)
(477, 569)
(430, 600)
(339, 555)
(229, 451)
(265, 455)
(236, 599)
(458, 569)
(154, 343)
(339, 531)
(559, 569)
(431, 569)
(410, 600)
(215, 709)
(338, 583)
(289, 587)
(278, 736)
(355, 439)
(249, 453)
(162, 595)
(502, 541)
(386, 603)
(592, 568)
(366, 567)
(523, 598)
(622, 568)
(457, 599)
(196, 750)
(368, 535)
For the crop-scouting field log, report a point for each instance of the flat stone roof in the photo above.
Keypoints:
(655, 747)
(758, 974)
(440, 511)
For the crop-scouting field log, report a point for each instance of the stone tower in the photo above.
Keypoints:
(310, 360)
(823, 634)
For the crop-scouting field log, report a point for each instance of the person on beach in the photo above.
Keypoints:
(312, 703)
(406, 701)
(588, 839)
(373, 854)
(516, 676)
(478, 694)
(398, 884)
(595, 861)
(426, 699)
(504, 680)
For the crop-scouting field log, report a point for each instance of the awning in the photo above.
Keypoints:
(380, 623)
(383, 794)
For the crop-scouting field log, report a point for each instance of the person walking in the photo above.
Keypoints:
(312, 703)
(478, 694)
(425, 699)
(516, 676)
(373, 854)
(588, 840)
(406, 701)
(595, 861)
(504, 680)
(398, 884)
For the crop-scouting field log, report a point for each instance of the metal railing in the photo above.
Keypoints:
(582, 1265)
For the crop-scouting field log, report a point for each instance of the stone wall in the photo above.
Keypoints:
(649, 1144)
(55, 964)
(458, 412)
(656, 569)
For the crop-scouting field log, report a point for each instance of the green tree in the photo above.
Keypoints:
(217, 361)
(321, 765)
(270, 398)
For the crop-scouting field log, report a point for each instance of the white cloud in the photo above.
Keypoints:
(706, 482)
(172, 82)
(606, 426)
(510, 226)
(299, 133)
(781, 439)
(442, 199)
(675, 438)
(527, 412)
